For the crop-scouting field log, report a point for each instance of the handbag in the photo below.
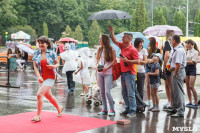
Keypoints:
(116, 70)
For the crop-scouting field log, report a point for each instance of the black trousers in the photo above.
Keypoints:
(70, 82)
(139, 90)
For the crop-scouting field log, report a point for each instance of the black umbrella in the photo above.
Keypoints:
(109, 14)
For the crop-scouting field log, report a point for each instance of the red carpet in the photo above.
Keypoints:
(50, 123)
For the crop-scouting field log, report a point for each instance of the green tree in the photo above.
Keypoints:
(94, 33)
(8, 14)
(180, 21)
(45, 29)
(158, 18)
(133, 26)
(68, 32)
(78, 33)
(197, 24)
(141, 17)
(165, 14)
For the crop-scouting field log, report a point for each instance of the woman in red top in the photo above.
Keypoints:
(45, 61)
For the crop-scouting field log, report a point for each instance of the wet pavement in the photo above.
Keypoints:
(23, 99)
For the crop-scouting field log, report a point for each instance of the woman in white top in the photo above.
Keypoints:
(138, 44)
(84, 72)
(191, 57)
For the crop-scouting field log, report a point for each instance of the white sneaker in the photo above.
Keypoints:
(166, 105)
(148, 103)
(82, 94)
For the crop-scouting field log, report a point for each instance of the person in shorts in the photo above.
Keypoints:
(154, 77)
(192, 53)
(45, 62)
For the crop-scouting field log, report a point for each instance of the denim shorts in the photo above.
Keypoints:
(48, 82)
(147, 69)
(155, 85)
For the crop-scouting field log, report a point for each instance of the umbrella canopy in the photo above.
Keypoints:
(109, 14)
(67, 39)
(25, 48)
(160, 30)
(135, 35)
(51, 39)
(20, 35)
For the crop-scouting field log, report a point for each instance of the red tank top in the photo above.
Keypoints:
(46, 72)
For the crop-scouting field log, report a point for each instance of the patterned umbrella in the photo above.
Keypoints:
(160, 30)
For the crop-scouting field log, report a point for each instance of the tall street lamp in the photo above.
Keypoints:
(187, 20)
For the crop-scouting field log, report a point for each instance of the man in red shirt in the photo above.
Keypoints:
(129, 57)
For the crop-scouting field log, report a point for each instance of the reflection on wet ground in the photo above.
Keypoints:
(23, 99)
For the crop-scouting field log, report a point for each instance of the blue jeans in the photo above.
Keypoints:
(128, 90)
(105, 85)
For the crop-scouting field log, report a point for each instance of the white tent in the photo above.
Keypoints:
(20, 35)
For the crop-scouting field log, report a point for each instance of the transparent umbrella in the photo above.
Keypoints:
(109, 14)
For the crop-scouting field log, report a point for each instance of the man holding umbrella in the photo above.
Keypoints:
(129, 57)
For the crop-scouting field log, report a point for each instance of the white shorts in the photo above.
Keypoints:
(48, 82)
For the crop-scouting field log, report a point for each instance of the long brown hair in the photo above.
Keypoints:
(152, 46)
(16, 50)
(169, 34)
(106, 47)
(190, 41)
(9, 51)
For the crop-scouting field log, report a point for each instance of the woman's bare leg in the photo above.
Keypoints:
(168, 88)
(187, 81)
(191, 86)
(52, 99)
(41, 92)
(86, 88)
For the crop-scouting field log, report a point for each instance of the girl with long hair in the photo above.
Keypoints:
(106, 57)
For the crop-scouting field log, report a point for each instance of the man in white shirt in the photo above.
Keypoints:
(178, 64)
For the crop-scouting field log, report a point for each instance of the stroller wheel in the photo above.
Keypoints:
(96, 104)
(89, 102)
